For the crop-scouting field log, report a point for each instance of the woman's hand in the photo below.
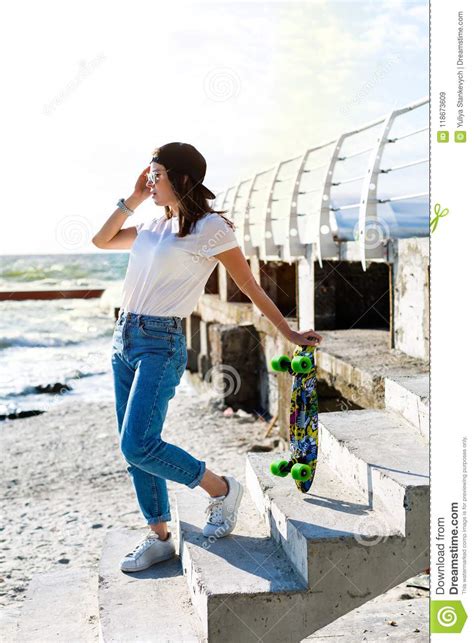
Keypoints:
(141, 190)
(305, 337)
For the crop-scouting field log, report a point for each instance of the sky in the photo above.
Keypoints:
(91, 88)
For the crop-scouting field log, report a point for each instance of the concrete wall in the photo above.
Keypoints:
(236, 341)
(411, 296)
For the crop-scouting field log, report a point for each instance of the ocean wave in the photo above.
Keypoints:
(56, 386)
(75, 270)
(51, 342)
(45, 274)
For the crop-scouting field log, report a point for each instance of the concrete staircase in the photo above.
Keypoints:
(148, 606)
(294, 563)
(243, 587)
(409, 396)
(59, 606)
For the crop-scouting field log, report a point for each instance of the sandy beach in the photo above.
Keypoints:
(64, 481)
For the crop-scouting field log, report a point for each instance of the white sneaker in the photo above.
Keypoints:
(222, 510)
(149, 551)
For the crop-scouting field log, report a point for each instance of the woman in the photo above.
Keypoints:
(170, 261)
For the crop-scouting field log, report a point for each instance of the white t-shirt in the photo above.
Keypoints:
(166, 274)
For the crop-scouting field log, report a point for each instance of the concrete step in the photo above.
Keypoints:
(148, 606)
(347, 551)
(379, 452)
(9, 620)
(409, 396)
(60, 606)
(396, 620)
(242, 586)
(357, 362)
(331, 512)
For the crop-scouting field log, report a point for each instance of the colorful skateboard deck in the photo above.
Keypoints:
(304, 435)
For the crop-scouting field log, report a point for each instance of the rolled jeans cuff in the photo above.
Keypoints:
(198, 478)
(162, 518)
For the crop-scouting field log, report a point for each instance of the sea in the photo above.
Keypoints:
(53, 350)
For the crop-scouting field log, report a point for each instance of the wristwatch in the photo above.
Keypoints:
(122, 206)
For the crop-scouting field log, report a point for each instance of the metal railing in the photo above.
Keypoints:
(281, 211)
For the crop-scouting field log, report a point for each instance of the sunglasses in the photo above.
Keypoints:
(152, 176)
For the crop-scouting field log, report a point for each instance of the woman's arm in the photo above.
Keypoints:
(237, 267)
(111, 236)
(107, 235)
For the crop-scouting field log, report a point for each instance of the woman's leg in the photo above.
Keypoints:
(158, 358)
(151, 492)
(214, 485)
(154, 384)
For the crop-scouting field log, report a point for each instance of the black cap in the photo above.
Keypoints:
(185, 159)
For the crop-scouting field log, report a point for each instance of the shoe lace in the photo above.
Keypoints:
(214, 510)
(143, 544)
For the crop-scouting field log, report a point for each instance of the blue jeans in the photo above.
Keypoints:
(148, 360)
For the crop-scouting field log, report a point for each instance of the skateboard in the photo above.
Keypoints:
(304, 437)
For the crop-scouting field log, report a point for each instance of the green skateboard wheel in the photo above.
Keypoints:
(278, 468)
(280, 363)
(301, 364)
(300, 471)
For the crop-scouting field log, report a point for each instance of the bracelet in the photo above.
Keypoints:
(126, 209)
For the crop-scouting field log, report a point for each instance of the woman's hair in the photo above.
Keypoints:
(193, 205)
